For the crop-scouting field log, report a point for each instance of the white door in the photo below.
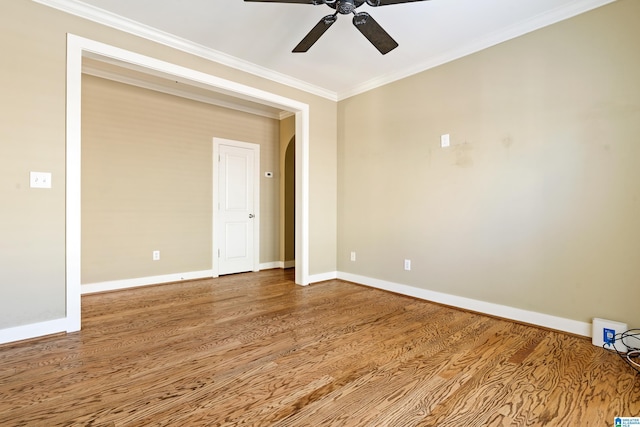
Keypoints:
(236, 231)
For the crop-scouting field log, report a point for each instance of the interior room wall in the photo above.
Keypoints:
(535, 204)
(287, 189)
(147, 180)
(32, 138)
(32, 125)
(289, 213)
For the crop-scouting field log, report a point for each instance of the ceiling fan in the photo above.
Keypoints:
(362, 21)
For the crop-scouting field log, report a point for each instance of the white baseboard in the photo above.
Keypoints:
(503, 311)
(33, 330)
(315, 278)
(277, 264)
(271, 265)
(115, 285)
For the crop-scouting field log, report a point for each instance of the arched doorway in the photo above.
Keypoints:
(290, 204)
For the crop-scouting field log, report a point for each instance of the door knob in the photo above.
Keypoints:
(251, 215)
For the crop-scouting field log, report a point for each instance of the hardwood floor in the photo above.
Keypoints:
(256, 349)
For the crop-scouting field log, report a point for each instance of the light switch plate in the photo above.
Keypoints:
(444, 140)
(40, 179)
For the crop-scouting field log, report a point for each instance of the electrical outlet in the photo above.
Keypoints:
(604, 333)
(407, 264)
(40, 179)
(353, 256)
(156, 255)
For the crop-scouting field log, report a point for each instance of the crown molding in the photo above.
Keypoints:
(101, 16)
(212, 100)
(92, 13)
(511, 32)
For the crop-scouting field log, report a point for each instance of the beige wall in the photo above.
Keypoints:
(287, 189)
(147, 180)
(32, 137)
(32, 125)
(536, 204)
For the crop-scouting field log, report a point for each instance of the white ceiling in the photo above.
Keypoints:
(259, 37)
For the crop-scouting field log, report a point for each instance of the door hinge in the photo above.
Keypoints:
(218, 253)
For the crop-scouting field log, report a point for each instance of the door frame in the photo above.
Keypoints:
(79, 47)
(217, 142)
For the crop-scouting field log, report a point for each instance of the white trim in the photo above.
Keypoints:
(173, 90)
(322, 277)
(33, 330)
(114, 285)
(77, 47)
(217, 142)
(535, 23)
(73, 182)
(503, 311)
(277, 264)
(302, 197)
(285, 114)
(112, 20)
(270, 265)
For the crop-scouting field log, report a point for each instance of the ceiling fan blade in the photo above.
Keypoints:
(375, 3)
(315, 2)
(374, 32)
(315, 33)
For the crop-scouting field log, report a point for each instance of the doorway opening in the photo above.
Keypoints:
(79, 48)
(289, 195)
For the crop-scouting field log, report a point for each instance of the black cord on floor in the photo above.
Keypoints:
(632, 355)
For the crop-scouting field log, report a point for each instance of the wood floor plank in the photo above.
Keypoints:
(256, 349)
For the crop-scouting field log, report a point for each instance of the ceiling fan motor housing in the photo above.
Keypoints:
(346, 7)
